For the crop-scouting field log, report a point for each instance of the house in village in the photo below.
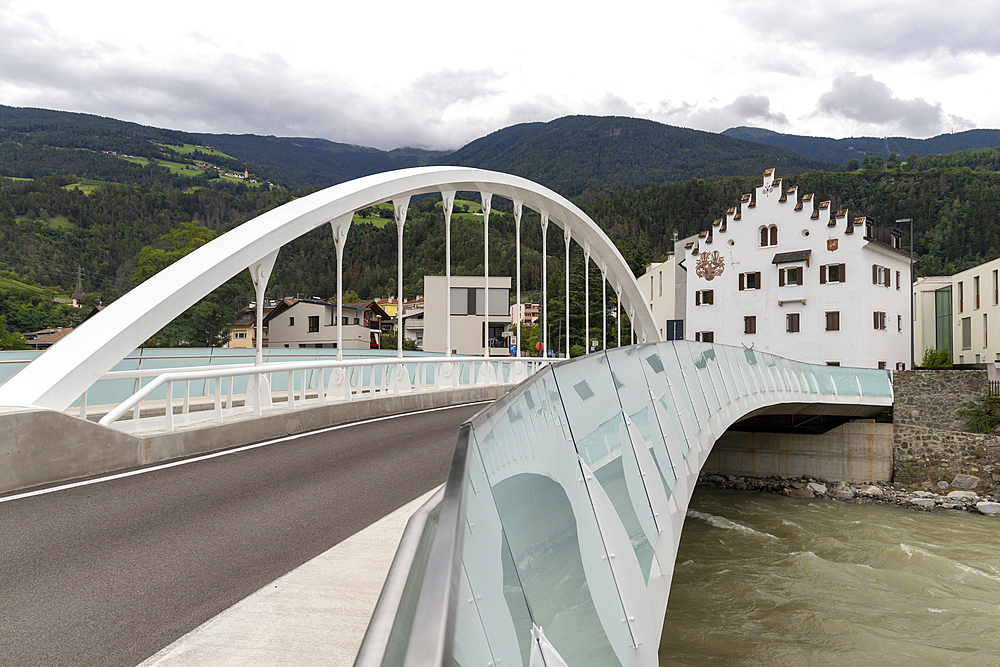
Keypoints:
(312, 323)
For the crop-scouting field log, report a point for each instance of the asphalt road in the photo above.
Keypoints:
(110, 573)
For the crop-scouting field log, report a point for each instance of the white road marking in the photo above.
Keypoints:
(235, 450)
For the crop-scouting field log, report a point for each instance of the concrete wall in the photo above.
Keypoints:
(43, 446)
(859, 451)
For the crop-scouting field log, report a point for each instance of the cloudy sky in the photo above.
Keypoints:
(439, 74)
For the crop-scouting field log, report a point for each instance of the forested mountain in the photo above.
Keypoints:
(576, 155)
(591, 156)
(842, 151)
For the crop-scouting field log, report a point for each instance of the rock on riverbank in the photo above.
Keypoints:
(882, 493)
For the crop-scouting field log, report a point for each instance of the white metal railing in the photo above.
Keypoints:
(313, 382)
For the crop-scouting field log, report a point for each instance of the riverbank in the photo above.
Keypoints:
(882, 493)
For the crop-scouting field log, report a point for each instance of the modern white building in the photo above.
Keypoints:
(664, 287)
(933, 317)
(468, 315)
(801, 280)
(960, 314)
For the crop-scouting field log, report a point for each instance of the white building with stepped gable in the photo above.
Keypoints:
(801, 280)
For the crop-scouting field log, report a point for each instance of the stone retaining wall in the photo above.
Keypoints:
(932, 399)
(932, 458)
(932, 446)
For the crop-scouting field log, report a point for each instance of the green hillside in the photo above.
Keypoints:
(317, 162)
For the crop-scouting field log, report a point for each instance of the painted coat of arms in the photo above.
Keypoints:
(710, 265)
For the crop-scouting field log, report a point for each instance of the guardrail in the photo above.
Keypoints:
(554, 539)
(306, 383)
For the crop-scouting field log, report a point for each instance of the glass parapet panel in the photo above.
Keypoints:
(636, 397)
(533, 471)
(590, 398)
(695, 367)
(683, 373)
(675, 416)
(719, 363)
(722, 386)
(732, 365)
(845, 379)
(875, 382)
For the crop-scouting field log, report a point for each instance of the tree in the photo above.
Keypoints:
(207, 323)
(10, 340)
(390, 342)
(936, 359)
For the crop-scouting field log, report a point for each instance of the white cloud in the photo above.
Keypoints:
(746, 109)
(888, 29)
(862, 99)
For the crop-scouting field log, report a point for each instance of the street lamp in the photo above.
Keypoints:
(912, 358)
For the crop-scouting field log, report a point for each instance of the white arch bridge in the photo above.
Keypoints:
(553, 542)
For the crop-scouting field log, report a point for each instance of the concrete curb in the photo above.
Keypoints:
(39, 447)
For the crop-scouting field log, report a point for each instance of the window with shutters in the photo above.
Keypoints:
(704, 297)
(881, 276)
(790, 276)
(750, 280)
(961, 296)
(881, 365)
(792, 322)
(975, 285)
(705, 336)
(898, 281)
(900, 366)
(833, 320)
(832, 273)
(878, 320)
(750, 324)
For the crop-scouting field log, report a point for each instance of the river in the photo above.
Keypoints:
(763, 579)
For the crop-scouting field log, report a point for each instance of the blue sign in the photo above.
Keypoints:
(513, 350)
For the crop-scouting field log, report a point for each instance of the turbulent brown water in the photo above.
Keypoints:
(762, 579)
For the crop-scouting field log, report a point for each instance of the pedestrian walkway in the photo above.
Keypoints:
(316, 614)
